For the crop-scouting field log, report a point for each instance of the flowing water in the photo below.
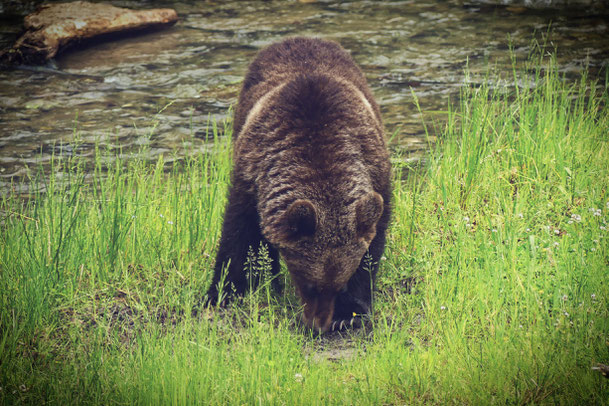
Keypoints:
(160, 89)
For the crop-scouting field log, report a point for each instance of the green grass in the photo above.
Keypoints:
(494, 289)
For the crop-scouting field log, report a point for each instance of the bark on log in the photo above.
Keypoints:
(54, 27)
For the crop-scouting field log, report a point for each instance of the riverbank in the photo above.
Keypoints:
(493, 288)
(112, 88)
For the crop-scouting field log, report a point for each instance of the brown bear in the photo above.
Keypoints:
(311, 179)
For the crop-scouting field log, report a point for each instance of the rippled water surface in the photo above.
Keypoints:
(161, 88)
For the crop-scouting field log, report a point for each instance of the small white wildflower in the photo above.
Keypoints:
(556, 243)
(593, 249)
(133, 216)
(494, 230)
(570, 222)
(170, 222)
(383, 258)
(466, 219)
(520, 215)
(298, 377)
(593, 296)
(603, 228)
(547, 228)
(597, 212)
(528, 230)
(161, 216)
(566, 314)
(468, 225)
(595, 241)
(442, 307)
(564, 298)
(557, 231)
(520, 326)
(591, 209)
(576, 217)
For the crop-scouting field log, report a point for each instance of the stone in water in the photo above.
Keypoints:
(53, 27)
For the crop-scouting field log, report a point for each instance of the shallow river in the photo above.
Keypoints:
(160, 89)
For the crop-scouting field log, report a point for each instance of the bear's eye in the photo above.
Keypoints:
(309, 290)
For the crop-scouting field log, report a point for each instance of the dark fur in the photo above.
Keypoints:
(311, 178)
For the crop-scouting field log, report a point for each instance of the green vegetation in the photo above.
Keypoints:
(494, 289)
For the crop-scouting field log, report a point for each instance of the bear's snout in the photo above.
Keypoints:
(318, 311)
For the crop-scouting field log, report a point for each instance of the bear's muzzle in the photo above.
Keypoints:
(318, 311)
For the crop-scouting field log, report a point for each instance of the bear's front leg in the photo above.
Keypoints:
(240, 231)
(355, 301)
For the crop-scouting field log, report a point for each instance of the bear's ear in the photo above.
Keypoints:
(368, 210)
(301, 219)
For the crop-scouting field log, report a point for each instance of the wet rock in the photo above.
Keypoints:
(54, 27)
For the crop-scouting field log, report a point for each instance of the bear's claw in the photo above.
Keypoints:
(339, 325)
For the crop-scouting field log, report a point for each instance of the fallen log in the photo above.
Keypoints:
(54, 27)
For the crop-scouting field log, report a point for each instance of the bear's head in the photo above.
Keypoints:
(323, 245)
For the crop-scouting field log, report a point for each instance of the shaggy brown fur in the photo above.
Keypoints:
(311, 177)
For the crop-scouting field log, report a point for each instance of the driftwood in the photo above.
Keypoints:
(54, 27)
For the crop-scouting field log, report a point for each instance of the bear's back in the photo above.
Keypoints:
(291, 58)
